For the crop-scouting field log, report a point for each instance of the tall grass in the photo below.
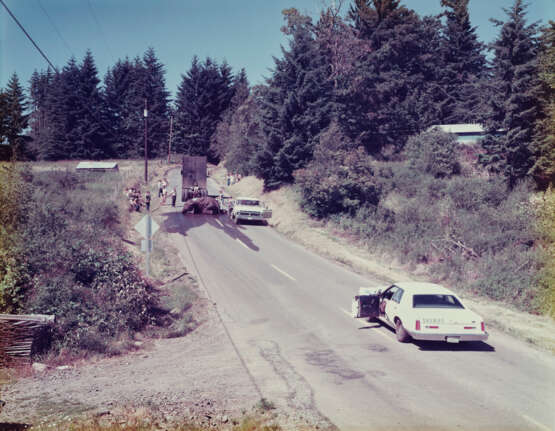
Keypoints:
(472, 233)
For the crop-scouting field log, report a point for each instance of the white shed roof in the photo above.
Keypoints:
(459, 128)
(97, 165)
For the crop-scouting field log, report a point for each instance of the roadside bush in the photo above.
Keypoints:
(474, 233)
(473, 193)
(78, 272)
(13, 274)
(433, 152)
(545, 227)
(339, 179)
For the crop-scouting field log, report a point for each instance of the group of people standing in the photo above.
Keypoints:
(233, 178)
(163, 192)
(136, 201)
(134, 198)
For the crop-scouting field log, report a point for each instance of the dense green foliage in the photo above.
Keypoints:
(296, 106)
(471, 232)
(204, 95)
(544, 140)
(69, 264)
(13, 120)
(339, 179)
(513, 109)
(433, 152)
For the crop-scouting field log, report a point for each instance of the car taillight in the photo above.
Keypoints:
(433, 326)
(417, 326)
(470, 327)
(483, 326)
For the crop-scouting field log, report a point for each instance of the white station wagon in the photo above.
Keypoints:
(421, 311)
(250, 209)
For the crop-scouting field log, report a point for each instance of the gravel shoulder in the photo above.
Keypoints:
(197, 377)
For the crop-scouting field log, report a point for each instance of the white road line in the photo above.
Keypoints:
(383, 334)
(535, 422)
(220, 223)
(282, 272)
(242, 243)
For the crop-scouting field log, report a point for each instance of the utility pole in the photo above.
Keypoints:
(146, 154)
(170, 141)
(148, 217)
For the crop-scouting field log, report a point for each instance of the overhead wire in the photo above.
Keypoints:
(101, 123)
(28, 36)
(101, 31)
(55, 27)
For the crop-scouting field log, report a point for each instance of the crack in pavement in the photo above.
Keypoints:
(300, 394)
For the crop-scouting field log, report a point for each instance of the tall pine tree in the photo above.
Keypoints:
(397, 91)
(544, 139)
(464, 65)
(157, 97)
(298, 104)
(92, 130)
(514, 104)
(15, 118)
(203, 96)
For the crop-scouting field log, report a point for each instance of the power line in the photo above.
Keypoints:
(100, 29)
(28, 36)
(55, 27)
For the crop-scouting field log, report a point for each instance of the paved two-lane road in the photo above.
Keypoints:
(286, 310)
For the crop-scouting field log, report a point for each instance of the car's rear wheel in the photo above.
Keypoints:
(401, 333)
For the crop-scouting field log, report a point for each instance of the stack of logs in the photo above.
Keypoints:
(17, 332)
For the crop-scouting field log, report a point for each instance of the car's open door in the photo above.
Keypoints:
(366, 306)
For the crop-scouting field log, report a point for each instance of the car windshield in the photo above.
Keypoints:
(248, 202)
(435, 301)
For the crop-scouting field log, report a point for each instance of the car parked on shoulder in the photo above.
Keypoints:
(420, 311)
(250, 209)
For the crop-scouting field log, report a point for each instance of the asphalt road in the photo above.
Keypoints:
(287, 311)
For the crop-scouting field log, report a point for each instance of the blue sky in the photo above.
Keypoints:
(246, 33)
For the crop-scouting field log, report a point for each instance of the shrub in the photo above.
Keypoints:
(339, 179)
(79, 274)
(545, 227)
(433, 152)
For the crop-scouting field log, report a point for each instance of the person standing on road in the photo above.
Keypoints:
(159, 188)
(147, 200)
(173, 196)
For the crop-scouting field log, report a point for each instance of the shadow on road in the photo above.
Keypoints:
(465, 346)
(437, 346)
(176, 222)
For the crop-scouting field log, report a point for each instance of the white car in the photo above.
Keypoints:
(249, 209)
(421, 311)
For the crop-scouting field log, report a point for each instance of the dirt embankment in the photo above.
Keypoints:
(288, 219)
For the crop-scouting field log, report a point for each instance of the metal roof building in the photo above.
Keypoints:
(97, 166)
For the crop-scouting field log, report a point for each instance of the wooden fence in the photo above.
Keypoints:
(17, 332)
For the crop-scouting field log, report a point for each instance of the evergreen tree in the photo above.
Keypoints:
(464, 65)
(135, 105)
(39, 88)
(203, 96)
(15, 119)
(244, 134)
(221, 142)
(91, 138)
(397, 91)
(513, 105)
(5, 149)
(118, 83)
(544, 139)
(297, 105)
(157, 97)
